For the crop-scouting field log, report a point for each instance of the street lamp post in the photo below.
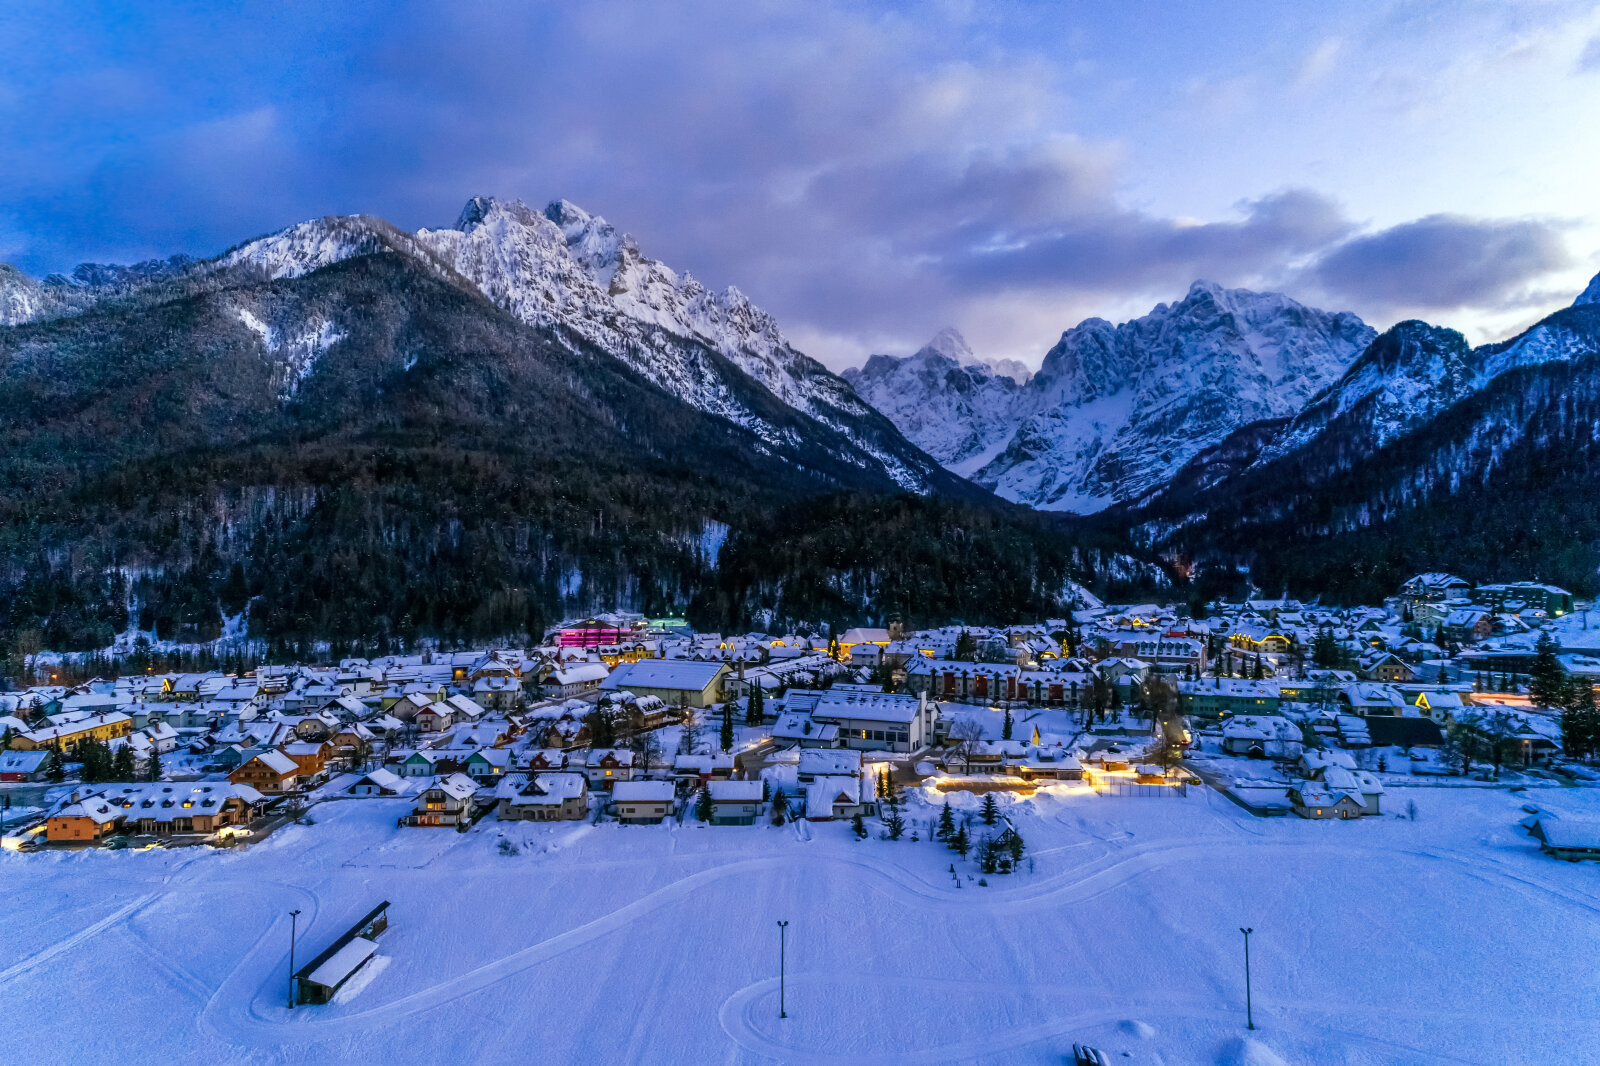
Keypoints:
(783, 931)
(294, 921)
(1249, 1014)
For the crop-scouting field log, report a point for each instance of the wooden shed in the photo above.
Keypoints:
(321, 978)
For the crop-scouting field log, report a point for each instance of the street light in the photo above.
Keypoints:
(1249, 1014)
(294, 921)
(783, 930)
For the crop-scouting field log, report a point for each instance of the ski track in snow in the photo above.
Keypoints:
(244, 1007)
(236, 1009)
(77, 938)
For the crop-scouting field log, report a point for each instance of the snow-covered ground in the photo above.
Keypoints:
(1448, 939)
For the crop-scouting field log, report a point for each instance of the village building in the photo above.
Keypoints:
(692, 772)
(877, 721)
(269, 772)
(66, 736)
(444, 801)
(566, 680)
(735, 802)
(828, 798)
(606, 767)
(643, 802)
(556, 797)
(23, 765)
(379, 782)
(676, 682)
(1221, 697)
(1310, 801)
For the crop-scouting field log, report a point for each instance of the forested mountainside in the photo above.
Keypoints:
(348, 439)
(1427, 453)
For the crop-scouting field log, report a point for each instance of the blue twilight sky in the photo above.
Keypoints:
(867, 172)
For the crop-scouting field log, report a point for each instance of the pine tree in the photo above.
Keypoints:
(947, 822)
(1006, 726)
(1580, 721)
(702, 805)
(55, 770)
(780, 807)
(1547, 679)
(991, 809)
(153, 765)
(1325, 649)
(727, 727)
(894, 823)
(755, 707)
(95, 762)
(766, 790)
(961, 842)
(858, 827)
(122, 768)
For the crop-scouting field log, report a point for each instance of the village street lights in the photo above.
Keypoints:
(783, 930)
(294, 920)
(1249, 1015)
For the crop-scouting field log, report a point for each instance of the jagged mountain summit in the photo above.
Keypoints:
(563, 271)
(952, 405)
(1116, 410)
(566, 269)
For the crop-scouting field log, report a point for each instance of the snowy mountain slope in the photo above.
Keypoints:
(1415, 371)
(564, 268)
(1426, 451)
(24, 300)
(563, 271)
(1115, 410)
(951, 405)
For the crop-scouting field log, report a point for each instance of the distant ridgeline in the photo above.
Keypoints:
(378, 443)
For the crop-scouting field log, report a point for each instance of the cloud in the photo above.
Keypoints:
(867, 174)
(1319, 62)
(1443, 263)
(1589, 58)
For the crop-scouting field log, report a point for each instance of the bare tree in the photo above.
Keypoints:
(647, 749)
(967, 733)
(689, 739)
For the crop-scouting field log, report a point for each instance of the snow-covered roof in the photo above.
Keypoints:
(689, 675)
(277, 762)
(642, 792)
(457, 786)
(342, 963)
(735, 791)
(825, 761)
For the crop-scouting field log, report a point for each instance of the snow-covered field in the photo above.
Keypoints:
(1444, 940)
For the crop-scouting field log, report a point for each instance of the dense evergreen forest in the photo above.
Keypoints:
(447, 473)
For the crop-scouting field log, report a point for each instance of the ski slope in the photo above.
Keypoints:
(1444, 940)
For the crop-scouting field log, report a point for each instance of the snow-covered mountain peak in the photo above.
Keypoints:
(944, 399)
(314, 244)
(1115, 409)
(1590, 295)
(474, 212)
(950, 343)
